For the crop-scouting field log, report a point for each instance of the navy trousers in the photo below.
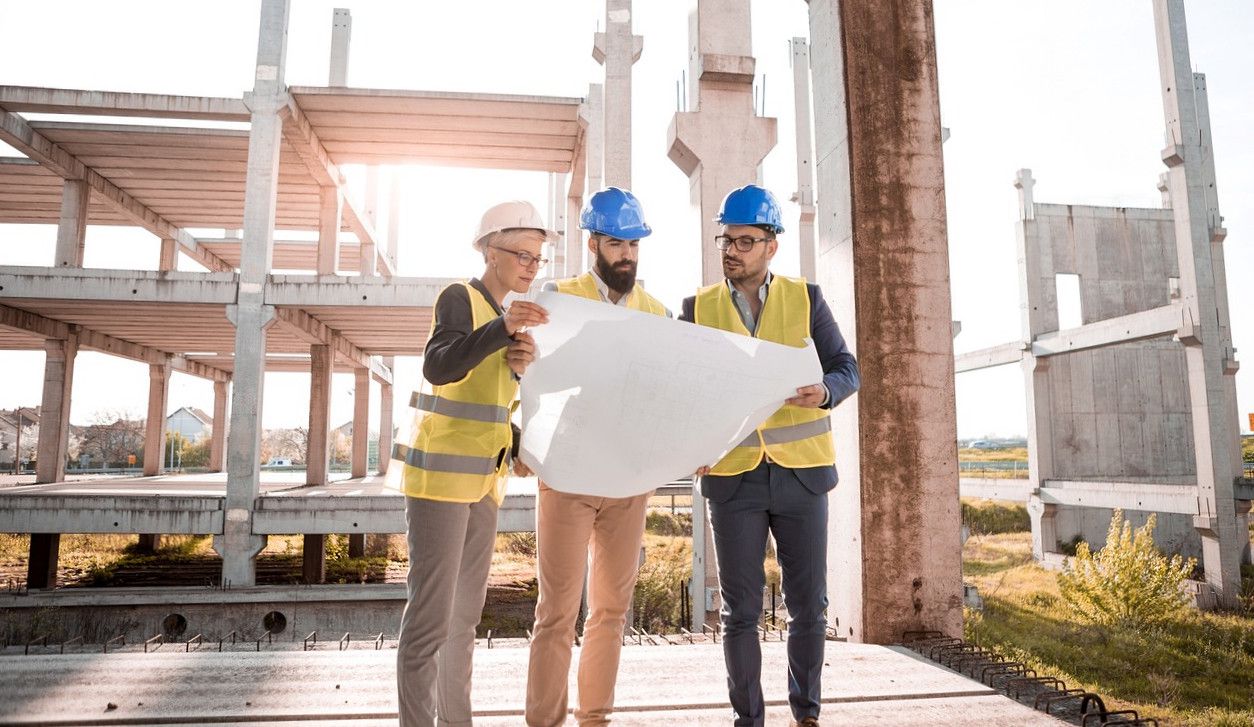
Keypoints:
(772, 499)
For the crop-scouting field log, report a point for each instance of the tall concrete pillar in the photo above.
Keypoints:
(314, 559)
(318, 449)
(804, 196)
(1209, 357)
(367, 258)
(1032, 323)
(719, 147)
(361, 421)
(168, 258)
(154, 428)
(341, 35)
(72, 227)
(41, 568)
(720, 144)
(54, 412)
(572, 243)
(238, 545)
(617, 49)
(594, 137)
(394, 217)
(894, 549)
(330, 210)
(221, 415)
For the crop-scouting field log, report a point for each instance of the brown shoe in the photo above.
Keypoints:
(807, 722)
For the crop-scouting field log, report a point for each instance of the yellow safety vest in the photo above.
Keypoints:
(793, 436)
(456, 454)
(585, 286)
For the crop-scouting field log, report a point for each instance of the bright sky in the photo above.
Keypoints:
(1066, 88)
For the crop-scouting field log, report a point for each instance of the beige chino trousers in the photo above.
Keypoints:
(575, 533)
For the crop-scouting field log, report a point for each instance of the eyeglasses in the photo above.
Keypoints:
(525, 259)
(743, 243)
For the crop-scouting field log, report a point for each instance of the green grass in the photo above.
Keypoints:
(986, 517)
(1194, 671)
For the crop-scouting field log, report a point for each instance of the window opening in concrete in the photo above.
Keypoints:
(1070, 314)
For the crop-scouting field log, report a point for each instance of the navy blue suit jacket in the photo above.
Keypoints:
(840, 376)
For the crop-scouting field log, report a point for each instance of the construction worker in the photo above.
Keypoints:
(455, 468)
(777, 479)
(578, 534)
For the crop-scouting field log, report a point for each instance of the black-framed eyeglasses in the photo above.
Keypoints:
(525, 259)
(744, 243)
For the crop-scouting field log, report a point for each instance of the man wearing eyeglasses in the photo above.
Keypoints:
(581, 533)
(775, 481)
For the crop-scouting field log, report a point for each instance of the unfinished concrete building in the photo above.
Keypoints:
(1133, 406)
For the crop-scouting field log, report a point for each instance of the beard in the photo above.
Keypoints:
(620, 278)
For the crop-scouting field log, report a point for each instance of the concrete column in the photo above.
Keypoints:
(154, 431)
(804, 196)
(329, 214)
(221, 415)
(169, 255)
(719, 147)
(572, 244)
(367, 257)
(341, 34)
(238, 545)
(394, 217)
(41, 568)
(361, 420)
(72, 228)
(318, 450)
(1209, 360)
(385, 418)
(593, 113)
(1035, 318)
(894, 558)
(617, 49)
(720, 144)
(148, 543)
(54, 412)
(314, 559)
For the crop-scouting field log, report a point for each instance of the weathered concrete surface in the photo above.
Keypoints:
(54, 426)
(657, 685)
(883, 261)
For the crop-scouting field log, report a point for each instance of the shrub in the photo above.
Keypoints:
(1128, 583)
(523, 544)
(666, 568)
(662, 522)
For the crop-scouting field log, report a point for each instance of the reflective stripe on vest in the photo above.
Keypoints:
(793, 436)
(462, 428)
(456, 463)
(459, 409)
(585, 286)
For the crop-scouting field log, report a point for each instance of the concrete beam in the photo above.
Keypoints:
(995, 489)
(366, 514)
(312, 330)
(15, 132)
(361, 422)
(984, 358)
(23, 320)
(118, 285)
(28, 99)
(884, 265)
(54, 417)
(154, 429)
(1180, 499)
(1140, 326)
(318, 449)
(165, 513)
(305, 291)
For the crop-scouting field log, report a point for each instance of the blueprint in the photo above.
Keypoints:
(619, 402)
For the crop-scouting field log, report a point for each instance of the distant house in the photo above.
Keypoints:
(10, 420)
(192, 423)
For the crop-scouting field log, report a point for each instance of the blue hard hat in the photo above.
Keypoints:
(615, 212)
(751, 205)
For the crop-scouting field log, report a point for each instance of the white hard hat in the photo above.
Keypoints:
(509, 216)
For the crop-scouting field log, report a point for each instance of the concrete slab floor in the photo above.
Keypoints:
(671, 685)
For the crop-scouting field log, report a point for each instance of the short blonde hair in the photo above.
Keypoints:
(503, 238)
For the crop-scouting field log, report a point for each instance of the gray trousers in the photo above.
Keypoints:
(450, 554)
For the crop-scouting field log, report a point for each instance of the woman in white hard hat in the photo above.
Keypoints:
(455, 468)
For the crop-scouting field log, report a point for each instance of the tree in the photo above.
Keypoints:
(284, 444)
(112, 438)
